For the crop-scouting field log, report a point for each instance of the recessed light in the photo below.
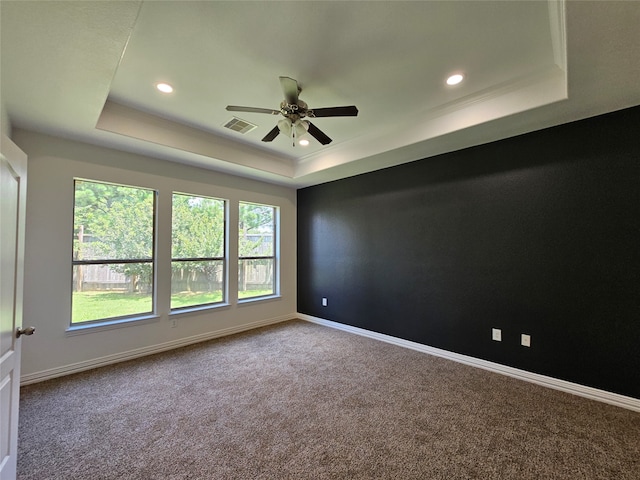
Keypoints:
(455, 79)
(164, 87)
(304, 142)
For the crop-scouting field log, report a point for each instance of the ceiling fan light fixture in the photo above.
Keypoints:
(284, 126)
(301, 127)
(296, 128)
(455, 79)
(164, 87)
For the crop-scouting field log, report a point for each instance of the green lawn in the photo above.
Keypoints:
(88, 306)
(253, 293)
(96, 305)
(186, 299)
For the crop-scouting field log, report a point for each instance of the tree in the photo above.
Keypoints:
(256, 230)
(197, 233)
(255, 221)
(118, 221)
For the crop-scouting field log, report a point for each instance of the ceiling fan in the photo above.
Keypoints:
(294, 111)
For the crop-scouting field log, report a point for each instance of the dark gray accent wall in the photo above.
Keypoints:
(536, 234)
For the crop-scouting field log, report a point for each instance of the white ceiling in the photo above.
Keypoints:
(86, 70)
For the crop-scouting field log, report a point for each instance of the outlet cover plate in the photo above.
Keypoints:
(525, 340)
(496, 334)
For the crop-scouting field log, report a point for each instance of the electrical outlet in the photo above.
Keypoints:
(324, 302)
(173, 322)
(525, 340)
(496, 334)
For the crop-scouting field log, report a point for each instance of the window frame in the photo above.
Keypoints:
(117, 320)
(225, 258)
(274, 257)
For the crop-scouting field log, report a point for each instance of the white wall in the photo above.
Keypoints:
(53, 164)
(5, 124)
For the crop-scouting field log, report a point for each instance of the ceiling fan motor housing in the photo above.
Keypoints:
(298, 110)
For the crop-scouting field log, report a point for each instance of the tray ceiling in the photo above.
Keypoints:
(88, 70)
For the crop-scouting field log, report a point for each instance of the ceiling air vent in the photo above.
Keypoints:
(239, 125)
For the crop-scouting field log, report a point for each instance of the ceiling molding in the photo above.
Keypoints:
(542, 88)
(558, 24)
(133, 123)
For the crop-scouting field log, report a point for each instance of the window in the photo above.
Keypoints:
(198, 251)
(113, 251)
(256, 250)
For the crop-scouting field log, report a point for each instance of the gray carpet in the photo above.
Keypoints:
(302, 401)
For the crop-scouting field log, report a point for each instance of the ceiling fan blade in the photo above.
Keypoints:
(350, 111)
(271, 135)
(318, 134)
(235, 108)
(291, 90)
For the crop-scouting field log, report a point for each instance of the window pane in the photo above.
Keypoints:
(112, 222)
(197, 226)
(198, 249)
(255, 277)
(257, 232)
(106, 291)
(196, 283)
(256, 229)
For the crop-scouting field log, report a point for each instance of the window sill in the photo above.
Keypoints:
(81, 329)
(245, 301)
(198, 308)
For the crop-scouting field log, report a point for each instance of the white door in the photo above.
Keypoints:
(13, 189)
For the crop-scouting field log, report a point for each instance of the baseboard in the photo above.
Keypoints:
(141, 352)
(623, 401)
